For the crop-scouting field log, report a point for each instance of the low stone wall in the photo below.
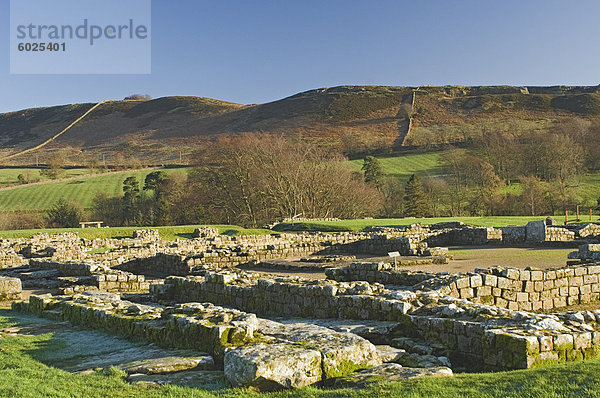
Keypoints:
(478, 336)
(449, 234)
(146, 234)
(482, 346)
(10, 289)
(253, 352)
(69, 268)
(556, 234)
(101, 277)
(586, 253)
(254, 249)
(285, 297)
(10, 259)
(206, 232)
(181, 327)
(159, 265)
(529, 289)
(383, 273)
(512, 288)
(121, 282)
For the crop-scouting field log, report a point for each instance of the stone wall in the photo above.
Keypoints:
(477, 335)
(512, 288)
(68, 268)
(586, 253)
(529, 289)
(227, 252)
(121, 282)
(383, 273)
(181, 327)
(9, 259)
(450, 234)
(253, 352)
(285, 297)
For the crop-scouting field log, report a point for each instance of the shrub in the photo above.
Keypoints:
(65, 214)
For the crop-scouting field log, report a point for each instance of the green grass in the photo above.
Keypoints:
(586, 188)
(9, 176)
(82, 191)
(404, 166)
(167, 233)
(21, 375)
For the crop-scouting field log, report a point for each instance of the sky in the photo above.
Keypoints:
(263, 50)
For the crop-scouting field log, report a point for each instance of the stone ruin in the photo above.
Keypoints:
(366, 321)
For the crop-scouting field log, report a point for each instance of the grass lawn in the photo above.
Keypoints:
(22, 375)
(167, 233)
(82, 191)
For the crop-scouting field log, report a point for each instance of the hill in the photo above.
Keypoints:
(355, 118)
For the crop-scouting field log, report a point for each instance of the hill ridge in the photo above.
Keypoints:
(352, 117)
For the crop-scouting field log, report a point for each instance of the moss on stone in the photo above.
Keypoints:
(342, 368)
(545, 362)
(592, 352)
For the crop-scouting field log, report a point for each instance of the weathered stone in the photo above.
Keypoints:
(390, 354)
(390, 372)
(168, 364)
(273, 366)
(207, 380)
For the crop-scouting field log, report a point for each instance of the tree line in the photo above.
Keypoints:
(253, 180)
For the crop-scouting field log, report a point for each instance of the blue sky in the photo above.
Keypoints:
(258, 51)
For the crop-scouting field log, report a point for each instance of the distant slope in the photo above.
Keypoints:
(80, 190)
(348, 116)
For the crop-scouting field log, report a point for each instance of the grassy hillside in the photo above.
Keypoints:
(346, 116)
(81, 190)
(586, 187)
(9, 177)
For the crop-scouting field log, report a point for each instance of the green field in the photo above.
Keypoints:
(404, 166)
(82, 191)
(586, 187)
(42, 196)
(23, 375)
(9, 177)
(167, 233)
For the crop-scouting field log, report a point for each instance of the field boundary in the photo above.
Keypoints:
(66, 179)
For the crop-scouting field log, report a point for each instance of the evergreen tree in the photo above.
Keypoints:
(65, 214)
(131, 196)
(373, 170)
(415, 200)
(154, 180)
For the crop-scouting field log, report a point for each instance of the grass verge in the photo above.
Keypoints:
(166, 233)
